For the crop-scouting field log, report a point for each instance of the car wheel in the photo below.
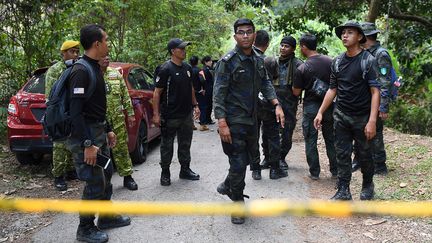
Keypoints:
(27, 158)
(139, 155)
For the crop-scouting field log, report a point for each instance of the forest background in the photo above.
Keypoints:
(31, 33)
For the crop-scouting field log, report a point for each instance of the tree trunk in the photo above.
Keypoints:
(374, 10)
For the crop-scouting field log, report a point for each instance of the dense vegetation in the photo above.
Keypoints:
(31, 32)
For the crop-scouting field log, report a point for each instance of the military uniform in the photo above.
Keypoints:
(119, 103)
(282, 73)
(62, 157)
(238, 80)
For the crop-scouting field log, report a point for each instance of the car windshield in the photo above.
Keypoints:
(36, 84)
(139, 79)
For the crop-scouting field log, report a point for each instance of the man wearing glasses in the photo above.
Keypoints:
(239, 76)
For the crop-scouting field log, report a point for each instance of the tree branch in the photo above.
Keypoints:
(395, 13)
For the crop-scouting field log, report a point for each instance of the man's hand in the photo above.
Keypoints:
(202, 92)
(383, 115)
(131, 121)
(280, 116)
(370, 130)
(317, 121)
(90, 154)
(196, 113)
(156, 120)
(112, 139)
(224, 132)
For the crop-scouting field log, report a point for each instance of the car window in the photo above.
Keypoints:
(137, 79)
(149, 80)
(36, 84)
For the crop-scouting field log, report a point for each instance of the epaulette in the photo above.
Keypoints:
(229, 55)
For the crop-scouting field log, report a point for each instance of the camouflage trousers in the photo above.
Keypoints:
(97, 180)
(289, 104)
(240, 153)
(270, 138)
(348, 129)
(379, 155)
(120, 152)
(62, 160)
(182, 127)
(310, 134)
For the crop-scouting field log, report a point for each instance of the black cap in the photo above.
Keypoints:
(290, 41)
(350, 24)
(369, 28)
(243, 21)
(177, 43)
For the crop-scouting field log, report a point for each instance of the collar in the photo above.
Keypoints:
(289, 57)
(243, 56)
(91, 60)
(375, 47)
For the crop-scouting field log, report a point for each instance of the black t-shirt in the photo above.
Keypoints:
(84, 110)
(318, 66)
(196, 81)
(176, 82)
(353, 92)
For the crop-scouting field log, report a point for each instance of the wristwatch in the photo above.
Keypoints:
(87, 143)
(275, 105)
(196, 105)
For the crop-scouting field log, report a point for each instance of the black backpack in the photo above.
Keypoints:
(56, 121)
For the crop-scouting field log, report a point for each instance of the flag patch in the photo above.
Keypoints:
(78, 91)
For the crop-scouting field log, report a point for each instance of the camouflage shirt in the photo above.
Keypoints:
(238, 80)
(53, 73)
(382, 68)
(118, 99)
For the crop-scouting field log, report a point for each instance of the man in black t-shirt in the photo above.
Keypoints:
(316, 66)
(173, 99)
(354, 82)
(90, 133)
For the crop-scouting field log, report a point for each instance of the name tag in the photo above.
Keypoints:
(78, 91)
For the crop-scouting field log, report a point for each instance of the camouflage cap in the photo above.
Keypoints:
(350, 24)
(369, 28)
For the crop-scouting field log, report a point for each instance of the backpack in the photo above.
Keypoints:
(365, 63)
(395, 81)
(56, 121)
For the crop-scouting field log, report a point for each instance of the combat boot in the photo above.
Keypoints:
(381, 169)
(109, 222)
(343, 193)
(91, 233)
(367, 192)
(278, 173)
(60, 183)
(235, 218)
(165, 179)
(130, 183)
(256, 175)
(265, 164)
(224, 190)
(188, 174)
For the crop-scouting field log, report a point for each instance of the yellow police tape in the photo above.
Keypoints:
(257, 208)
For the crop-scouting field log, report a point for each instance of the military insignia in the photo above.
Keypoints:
(383, 71)
(188, 73)
(157, 79)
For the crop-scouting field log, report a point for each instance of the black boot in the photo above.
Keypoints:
(108, 222)
(188, 174)
(165, 179)
(355, 165)
(343, 193)
(91, 233)
(256, 175)
(265, 164)
(278, 173)
(367, 192)
(238, 219)
(283, 164)
(60, 183)
(224, 190)
(130, 183)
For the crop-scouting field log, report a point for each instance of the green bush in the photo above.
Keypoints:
(411, 118)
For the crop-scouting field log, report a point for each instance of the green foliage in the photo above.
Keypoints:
(411, 118)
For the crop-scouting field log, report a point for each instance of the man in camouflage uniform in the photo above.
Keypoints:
(119, 106)
(282, 71)
(239, 76)
(270, 127)
(62, 157)
(382, 68)
(353, 80)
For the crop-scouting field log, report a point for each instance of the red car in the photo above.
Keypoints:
(26, 108)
